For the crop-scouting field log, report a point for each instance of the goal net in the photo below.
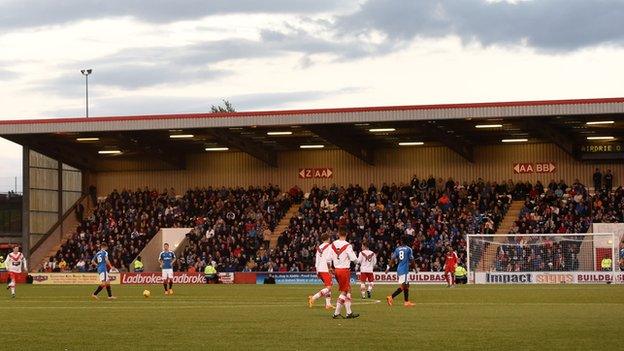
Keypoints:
(544, 258)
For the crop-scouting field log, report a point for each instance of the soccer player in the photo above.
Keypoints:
(322, 263)
(366, 261)
(15, 262)
(450, 263)
(166, 259)
(342, 255)
(103, 264)
(403, 258)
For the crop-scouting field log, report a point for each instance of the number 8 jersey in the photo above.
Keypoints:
(403, 256)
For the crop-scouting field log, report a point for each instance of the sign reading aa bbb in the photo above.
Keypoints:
(540, 167)
(71, 278)
(309, 173)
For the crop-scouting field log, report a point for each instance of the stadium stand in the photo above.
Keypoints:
(608, 207)
(431, 212)
(233, 227)
(555, 209)
(228, 220)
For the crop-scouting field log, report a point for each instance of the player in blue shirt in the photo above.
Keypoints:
(101, 261)
(166, 259)
(403, 257)
(622, 255)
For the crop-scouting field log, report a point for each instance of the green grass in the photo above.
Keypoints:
(235, 317)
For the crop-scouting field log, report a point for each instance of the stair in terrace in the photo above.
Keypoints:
(283, 225)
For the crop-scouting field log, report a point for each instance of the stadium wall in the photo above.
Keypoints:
(54, 187)
(391, 165)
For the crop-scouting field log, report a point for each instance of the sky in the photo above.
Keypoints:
(162, 56)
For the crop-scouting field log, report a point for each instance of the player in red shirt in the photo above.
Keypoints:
(323, 263)
(450, 263)
(342, 255)
(15, 262)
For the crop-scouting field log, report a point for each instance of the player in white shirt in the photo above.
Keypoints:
(322, 264)
(367, 260)
(15, 262)
(342, 255)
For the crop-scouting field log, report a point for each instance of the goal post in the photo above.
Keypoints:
(543, 258)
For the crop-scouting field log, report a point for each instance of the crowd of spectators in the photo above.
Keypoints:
(531, 253)
(232, 226)
(608, 207)
(227, 225)
(431, 213)
(233, 229)
(560, 209)
(557, 208)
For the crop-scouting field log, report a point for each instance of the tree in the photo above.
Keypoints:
(226, 108)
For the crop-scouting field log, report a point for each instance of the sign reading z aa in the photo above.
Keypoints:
(308, 173)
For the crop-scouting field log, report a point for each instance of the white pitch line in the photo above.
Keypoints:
(115, 305)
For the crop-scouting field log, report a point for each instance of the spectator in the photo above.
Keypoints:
(597, 178)
(80, 212)
(62, 265)
(93, 195)
(269, 279)
(266, 235)
(81, 265)
(608, 180)
(55, 266)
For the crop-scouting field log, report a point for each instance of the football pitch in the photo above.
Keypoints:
(257, 317)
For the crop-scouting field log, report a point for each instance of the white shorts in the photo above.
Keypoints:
(167, 273)
(104, 277)
(403, 279)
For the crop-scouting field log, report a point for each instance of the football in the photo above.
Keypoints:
(146, 293)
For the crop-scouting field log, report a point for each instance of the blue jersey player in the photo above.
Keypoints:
(166, 259)
(101, 261)
(403, 257)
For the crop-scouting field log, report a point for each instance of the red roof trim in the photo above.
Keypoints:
(315, 111)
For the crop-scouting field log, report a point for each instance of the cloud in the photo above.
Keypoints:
(18, 14)
(137, 105)
(11, 159)
(6, 74)
(135, 68)
(553, 25)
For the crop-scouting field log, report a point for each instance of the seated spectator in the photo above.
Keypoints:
(81, 265)
(114, 269)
